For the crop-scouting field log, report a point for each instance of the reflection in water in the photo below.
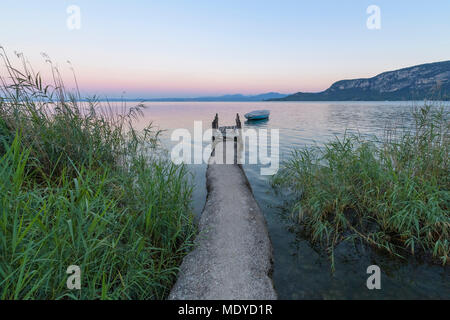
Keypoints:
(256, 123)
(300, 270)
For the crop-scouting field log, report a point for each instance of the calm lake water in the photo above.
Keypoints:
(300, 270)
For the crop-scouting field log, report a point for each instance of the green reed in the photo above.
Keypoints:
(79, 185)
(391, 193)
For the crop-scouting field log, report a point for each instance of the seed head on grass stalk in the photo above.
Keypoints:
(79, 185)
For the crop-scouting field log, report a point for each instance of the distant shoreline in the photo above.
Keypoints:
(353, 101)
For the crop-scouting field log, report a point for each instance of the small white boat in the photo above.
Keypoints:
(257, 115)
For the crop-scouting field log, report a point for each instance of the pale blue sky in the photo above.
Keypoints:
(193, 48)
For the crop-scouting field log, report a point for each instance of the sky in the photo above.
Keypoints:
(151, 49)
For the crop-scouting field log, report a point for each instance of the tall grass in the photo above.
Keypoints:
(391, 193)
(80, 186)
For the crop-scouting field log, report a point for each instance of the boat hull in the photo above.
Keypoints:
(258, 118)
(258, 115)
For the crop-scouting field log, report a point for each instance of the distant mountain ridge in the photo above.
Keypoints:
(225, 98)
(425, 81)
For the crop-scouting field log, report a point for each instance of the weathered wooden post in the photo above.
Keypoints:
(215, 125)
(238, 126)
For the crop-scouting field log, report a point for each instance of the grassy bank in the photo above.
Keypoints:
(391, 193)
(80, 186)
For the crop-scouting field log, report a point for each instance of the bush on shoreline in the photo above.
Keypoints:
(392, 194)
(80, 186)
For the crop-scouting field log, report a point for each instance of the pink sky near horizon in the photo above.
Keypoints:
(199, 48)
(101, 79)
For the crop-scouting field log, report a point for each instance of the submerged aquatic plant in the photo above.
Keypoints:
(391, 193)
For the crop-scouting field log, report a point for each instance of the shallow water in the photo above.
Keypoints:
(301, 271)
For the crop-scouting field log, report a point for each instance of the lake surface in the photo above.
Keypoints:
(300, 270)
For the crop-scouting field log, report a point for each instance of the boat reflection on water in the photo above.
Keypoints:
(256, 123)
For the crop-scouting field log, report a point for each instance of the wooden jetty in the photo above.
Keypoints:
(227, 142)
